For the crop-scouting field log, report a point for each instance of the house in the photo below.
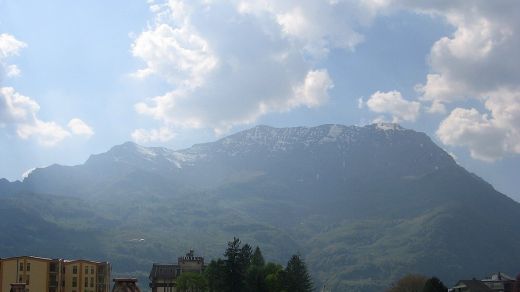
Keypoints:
(163, 277)
(500, 282)
(470, 286)
(125, 285)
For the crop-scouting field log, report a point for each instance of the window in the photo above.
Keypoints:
(74, 282)
(92, 270)
(75, 270)
(86, 270)
(21, 266)
(20, 279)
(86, 282)
(91, 282)
(27, 279)
(28, 267)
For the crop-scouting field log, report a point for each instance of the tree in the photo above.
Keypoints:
(255, 276)
(409, 283)
(274, 277)
(297, 278)
(191, 282)
(434, 285)
(257, 258)
(237, 261)
(215, 274)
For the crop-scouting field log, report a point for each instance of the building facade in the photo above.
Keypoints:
(163, 276)
(54, 275)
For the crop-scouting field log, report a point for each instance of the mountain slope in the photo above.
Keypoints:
(364, 205)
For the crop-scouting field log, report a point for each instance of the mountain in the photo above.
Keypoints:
(363, 205)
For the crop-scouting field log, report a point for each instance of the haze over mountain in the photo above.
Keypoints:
(363, 205)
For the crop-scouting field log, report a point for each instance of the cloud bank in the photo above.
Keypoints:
(230, 63)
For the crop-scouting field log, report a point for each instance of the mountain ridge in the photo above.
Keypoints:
(364, 205)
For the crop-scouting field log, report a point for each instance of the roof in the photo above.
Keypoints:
(28, 257)
(125, 285)
(499, 276)
(163, 271)
(49, 259)
(83, 261)
(473, 286)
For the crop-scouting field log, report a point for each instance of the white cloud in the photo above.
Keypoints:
(172, 48)
(12, 71)
(20, 113)
(393, 103)
(226, 67)
(467, 127)
(478, 61)
(178, 55)
(313, 92)
(14, 107)
(47, 133)
(479, 57)
(488, 136)
(9, 46)
(154, 135)
(79, 127)
(318, 26)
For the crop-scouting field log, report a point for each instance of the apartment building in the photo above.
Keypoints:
(54, 275)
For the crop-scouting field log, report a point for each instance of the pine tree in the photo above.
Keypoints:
(257, 259)
(255, 276)
(434, 285)
(215, 274)
(297, 278)
(237, 262)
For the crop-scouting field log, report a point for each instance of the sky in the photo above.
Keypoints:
(78, 77)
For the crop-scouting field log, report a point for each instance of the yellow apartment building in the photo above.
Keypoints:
(54, 275)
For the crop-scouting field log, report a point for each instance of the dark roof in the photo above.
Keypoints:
(474, 286)
(125, 285)
(163, 271)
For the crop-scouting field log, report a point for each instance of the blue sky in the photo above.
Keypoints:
(77, 77)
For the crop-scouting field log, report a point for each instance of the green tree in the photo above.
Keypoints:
(257, 259)
(409, 283)
(255, 276)
(297, 278)
(237, 261)
(215, 274)
(191, 282)
(434, 285)
(274, 277)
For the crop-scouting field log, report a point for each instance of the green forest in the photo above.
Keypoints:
(244, 269)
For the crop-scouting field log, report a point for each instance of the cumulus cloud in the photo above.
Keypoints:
(318, 26)
(162, 134)
(9, 46)
(479, 62)
(488, 136)
(227, 65)
(20, 113)
(393, 103)
(79, 127)
(47, 133)
(177, 54)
